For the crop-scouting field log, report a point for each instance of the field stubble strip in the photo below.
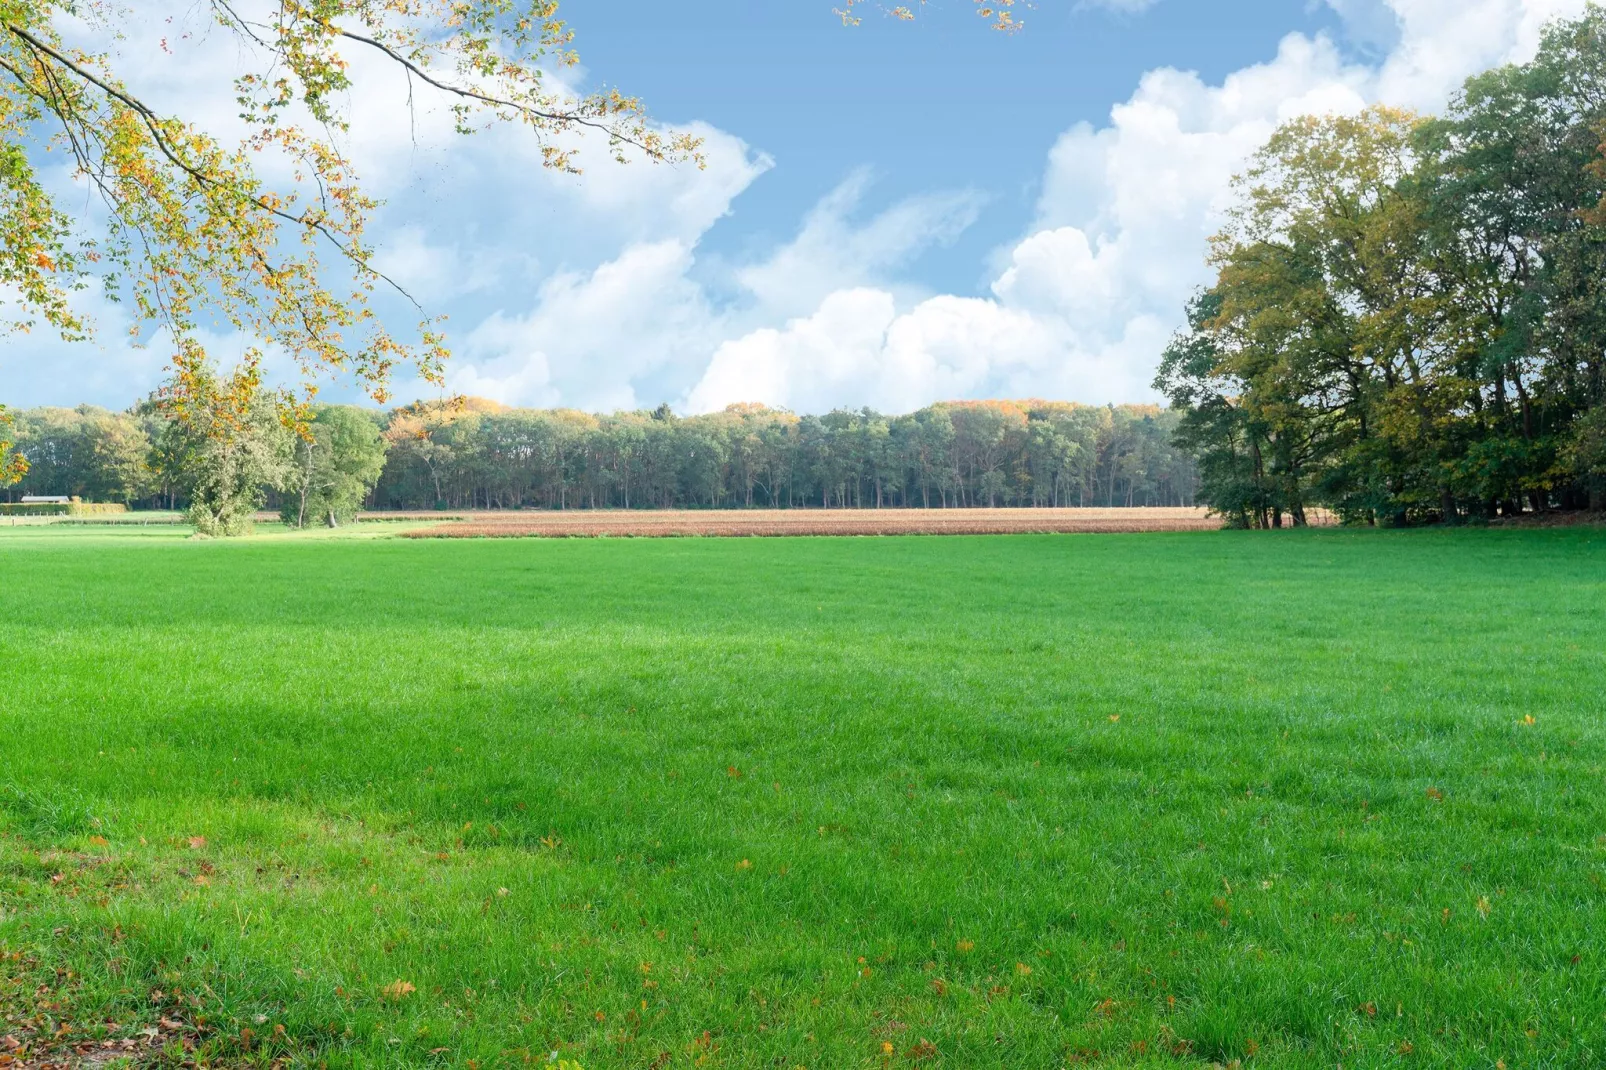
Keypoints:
(781, 522)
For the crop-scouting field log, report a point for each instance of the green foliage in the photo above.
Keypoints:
(226, 447)
(85, 452)
(13, 465)
(337, 461)
(1587, 454)
(1219, 794)
(479, 454)
(1409, 317)
(999, 453)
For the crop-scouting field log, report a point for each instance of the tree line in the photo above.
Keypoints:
(1408, 320)
(475, 454)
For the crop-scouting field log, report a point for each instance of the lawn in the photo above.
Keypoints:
(1298, 799)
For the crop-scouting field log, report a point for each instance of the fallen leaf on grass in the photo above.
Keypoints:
(197, 842)
(397, 990)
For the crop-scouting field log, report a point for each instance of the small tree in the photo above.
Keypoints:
(13, 465)
(337, 462)
(1588, 454)
(227, 445)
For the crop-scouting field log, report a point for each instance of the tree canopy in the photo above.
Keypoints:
(478, 454)
(1408, 323)
(335, 466)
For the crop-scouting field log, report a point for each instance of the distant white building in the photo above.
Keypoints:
(45, 499)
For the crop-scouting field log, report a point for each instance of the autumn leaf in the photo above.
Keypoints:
(397, 990)
(197, 842)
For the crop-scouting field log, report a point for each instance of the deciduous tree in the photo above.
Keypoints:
(337, 459)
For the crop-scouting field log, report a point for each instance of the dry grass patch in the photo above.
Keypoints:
(777, 522)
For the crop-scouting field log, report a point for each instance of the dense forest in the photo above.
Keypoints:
(478, 454)
(1409, 320)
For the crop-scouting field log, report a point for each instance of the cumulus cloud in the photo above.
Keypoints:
(594, 336)
(1083, 304)
(833, 252)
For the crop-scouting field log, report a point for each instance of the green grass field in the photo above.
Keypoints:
(1300, 799)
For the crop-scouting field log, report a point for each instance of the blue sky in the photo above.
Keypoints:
(935, 104)
(890, 215)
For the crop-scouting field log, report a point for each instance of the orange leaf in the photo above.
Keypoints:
(397, 990)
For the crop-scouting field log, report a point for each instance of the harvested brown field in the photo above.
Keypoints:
(777, 522)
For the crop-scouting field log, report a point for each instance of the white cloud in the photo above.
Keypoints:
(1083, 305)
(592, 336)
(831, 252)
